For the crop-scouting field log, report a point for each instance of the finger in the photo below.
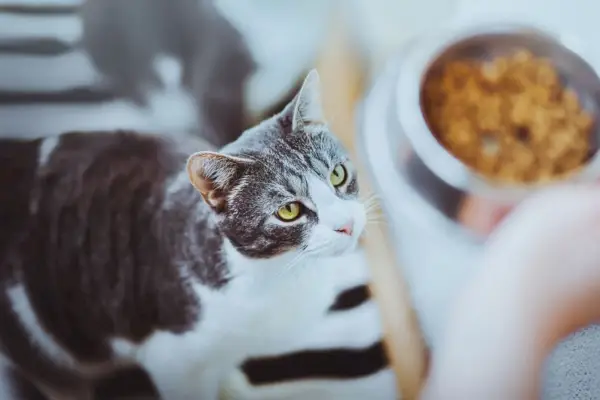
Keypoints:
(481, 215)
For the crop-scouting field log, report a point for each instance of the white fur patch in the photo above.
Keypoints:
(23, 310)
(334, 213)
(266, 309)
(46, 149)
(360, 327)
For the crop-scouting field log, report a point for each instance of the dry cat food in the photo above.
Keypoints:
(510, 118)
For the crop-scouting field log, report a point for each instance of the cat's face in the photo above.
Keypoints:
(286, 185)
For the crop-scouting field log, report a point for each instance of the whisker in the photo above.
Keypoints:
(286, 268)
(295, 261)
(290, 266)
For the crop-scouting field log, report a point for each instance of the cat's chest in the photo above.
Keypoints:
(259, 311)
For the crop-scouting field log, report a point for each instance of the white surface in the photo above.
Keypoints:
(384, 26)
(574, 21)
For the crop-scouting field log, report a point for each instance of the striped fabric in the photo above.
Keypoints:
(50, 83)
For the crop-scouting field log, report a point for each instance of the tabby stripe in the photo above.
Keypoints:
(351, 298)
(14, 214)
(312, 163)
(39, 73)
(78, 95)
(40, 9)
(67, 28)
(36, 46)
(312, 364)
(129, 383)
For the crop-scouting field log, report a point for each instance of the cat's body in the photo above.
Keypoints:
(86, 253)
(110, 257)
(208, 73)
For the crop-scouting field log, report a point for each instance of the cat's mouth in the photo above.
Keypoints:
(343, 245)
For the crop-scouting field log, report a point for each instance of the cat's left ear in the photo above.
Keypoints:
(214, 175)
(308, 106)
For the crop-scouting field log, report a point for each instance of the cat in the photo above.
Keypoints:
(115, 250)
(60, 73)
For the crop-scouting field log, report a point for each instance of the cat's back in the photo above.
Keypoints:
(43, 176)
(83, 246)
(81, 261)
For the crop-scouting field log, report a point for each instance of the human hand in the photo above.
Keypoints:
(539, 281)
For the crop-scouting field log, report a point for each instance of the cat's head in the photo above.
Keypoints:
(284, 185)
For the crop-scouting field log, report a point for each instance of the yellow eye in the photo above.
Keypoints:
(289, 212)
(338, 175)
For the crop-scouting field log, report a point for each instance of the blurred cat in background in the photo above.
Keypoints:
(201, 66)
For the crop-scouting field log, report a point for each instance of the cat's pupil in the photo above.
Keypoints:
(288, 208)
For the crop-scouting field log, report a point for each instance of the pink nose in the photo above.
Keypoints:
(345, 229)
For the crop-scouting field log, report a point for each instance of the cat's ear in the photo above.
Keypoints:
(308, 106)
(214, 174)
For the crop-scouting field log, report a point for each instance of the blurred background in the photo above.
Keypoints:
(178, 65)
(212, 68)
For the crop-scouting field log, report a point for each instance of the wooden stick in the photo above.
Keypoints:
(342, 77)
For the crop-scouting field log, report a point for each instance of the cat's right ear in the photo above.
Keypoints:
(214, 174)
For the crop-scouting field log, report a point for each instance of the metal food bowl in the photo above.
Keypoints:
(427, 194)
(443, 180)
